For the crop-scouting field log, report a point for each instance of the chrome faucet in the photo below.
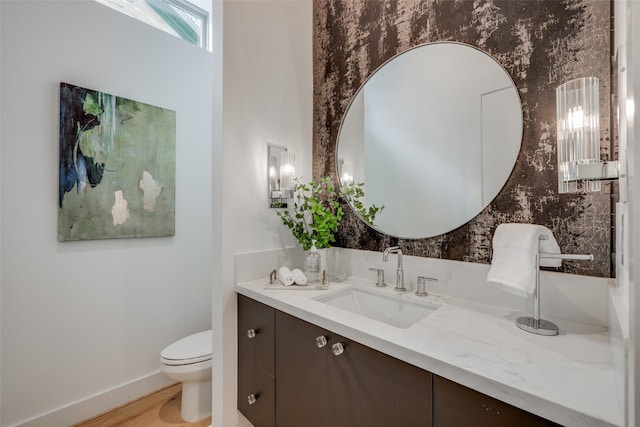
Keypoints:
(400, 273)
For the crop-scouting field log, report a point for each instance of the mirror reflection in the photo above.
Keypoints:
(433, 134)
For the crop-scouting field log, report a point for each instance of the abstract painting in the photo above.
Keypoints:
(117, 167)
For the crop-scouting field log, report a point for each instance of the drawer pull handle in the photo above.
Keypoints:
(337, 349)
(252, 333)
(321, 341)
(252, 398)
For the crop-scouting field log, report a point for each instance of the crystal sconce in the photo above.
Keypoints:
(578, 121)
(281, 168)
(346, 174)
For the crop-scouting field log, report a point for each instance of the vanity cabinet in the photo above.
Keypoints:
(256, 361)
(292, 373)
(324, 379)
(455, 405)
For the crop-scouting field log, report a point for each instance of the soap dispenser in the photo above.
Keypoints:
(312, 265)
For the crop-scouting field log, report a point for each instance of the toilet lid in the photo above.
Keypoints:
(192, 349)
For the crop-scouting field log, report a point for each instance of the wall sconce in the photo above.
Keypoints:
(281, 169)
(578, 132)
(346, 174)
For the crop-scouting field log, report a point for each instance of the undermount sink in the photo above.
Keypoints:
(391, 309)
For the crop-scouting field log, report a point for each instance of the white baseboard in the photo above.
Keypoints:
(100, 403)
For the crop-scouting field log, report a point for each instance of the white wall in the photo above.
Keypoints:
(267, 98)
(630, 109)
(634, 231)
(83, 318)
(626, 296)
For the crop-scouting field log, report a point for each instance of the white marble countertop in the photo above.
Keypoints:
(568, 378)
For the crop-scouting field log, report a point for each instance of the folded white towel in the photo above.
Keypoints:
(286, 276)
(515, 246)
(299, 277)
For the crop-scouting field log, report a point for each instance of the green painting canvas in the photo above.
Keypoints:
(117, 167)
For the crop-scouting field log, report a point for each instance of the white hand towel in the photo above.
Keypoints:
(515, 246)
(286, 276)
(299, 277)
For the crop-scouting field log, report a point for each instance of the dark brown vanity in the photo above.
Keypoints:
(294, 373)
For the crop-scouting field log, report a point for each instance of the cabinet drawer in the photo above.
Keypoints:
(455, 405)
(256, 333)
(256, 393)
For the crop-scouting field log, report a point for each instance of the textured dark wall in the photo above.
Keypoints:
(541, 44)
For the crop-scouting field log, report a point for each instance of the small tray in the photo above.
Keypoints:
(280, 287)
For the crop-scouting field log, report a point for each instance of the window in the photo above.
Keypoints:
(180, 18)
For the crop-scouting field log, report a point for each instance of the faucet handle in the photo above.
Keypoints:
(380, 282)
(422, 285)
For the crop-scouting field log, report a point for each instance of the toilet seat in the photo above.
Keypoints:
(195, 348)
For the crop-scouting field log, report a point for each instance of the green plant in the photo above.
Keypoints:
(352, 193)
(316, 211)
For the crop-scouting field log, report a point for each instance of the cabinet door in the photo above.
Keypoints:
(256, 393)
(455, 405)
(374, 389)
(303, 374)
(256, 332)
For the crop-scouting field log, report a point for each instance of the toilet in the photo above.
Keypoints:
(188, 361)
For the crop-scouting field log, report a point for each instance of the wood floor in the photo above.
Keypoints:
(156, 410)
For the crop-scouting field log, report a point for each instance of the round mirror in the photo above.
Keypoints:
(433, 134)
